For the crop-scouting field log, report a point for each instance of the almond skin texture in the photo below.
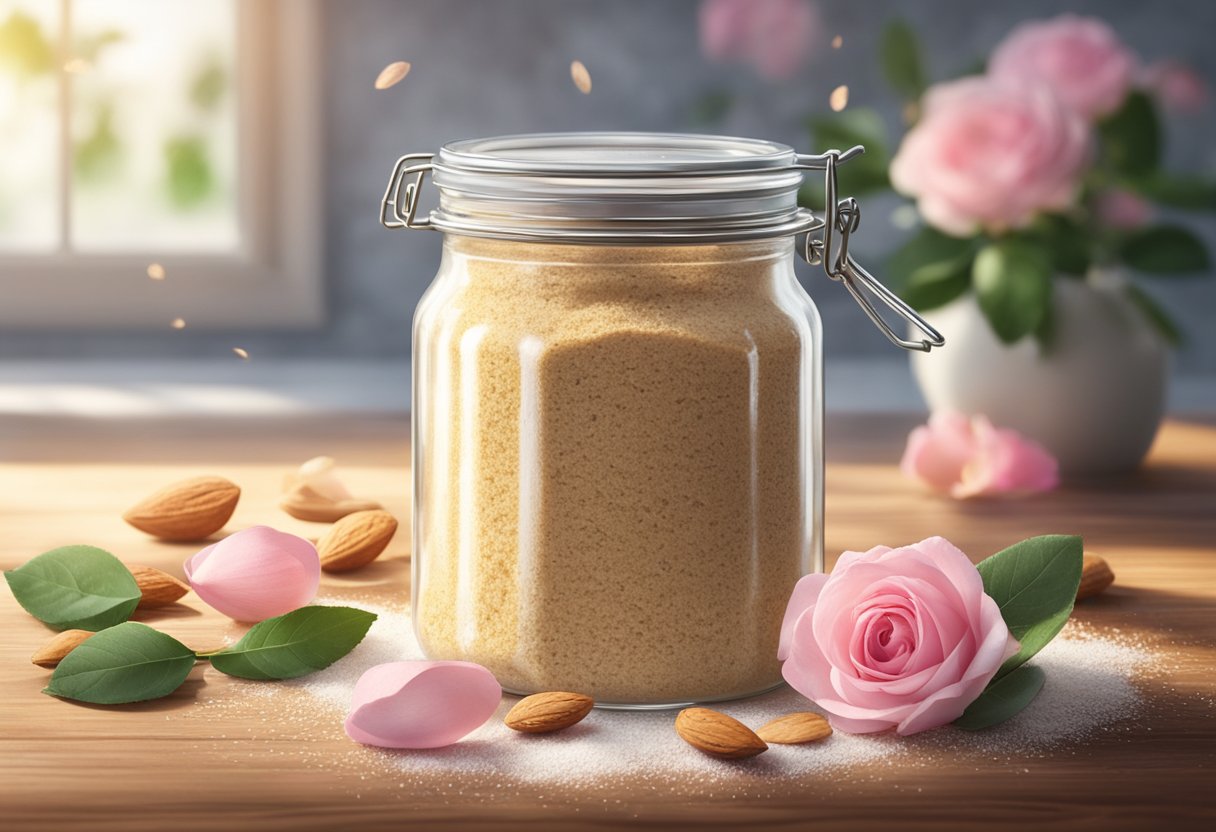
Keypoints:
(192, 509)
(793, 729)
(157, 588)
(541, 713)
(356, 540)
(1096, 576)
(718, 735)
(52, 653)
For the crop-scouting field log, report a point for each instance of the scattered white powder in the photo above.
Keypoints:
(1089, 690)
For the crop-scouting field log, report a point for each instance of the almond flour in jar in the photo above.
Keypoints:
(612, 458)
(618, 408)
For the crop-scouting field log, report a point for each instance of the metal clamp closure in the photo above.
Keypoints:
(399, 207)
(841, 218)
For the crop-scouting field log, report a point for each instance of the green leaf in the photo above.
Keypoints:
(128, 663)
(862, 174)
(1066, 243)
(1164, 249)
(295, 644)
(75, 587)
(1131, 136)
(1003, 699)
(931, 269)
(1035, 584)
(1012, 280)
(189, 177)
(1188, 193)
(1156, 315)
(901, 61)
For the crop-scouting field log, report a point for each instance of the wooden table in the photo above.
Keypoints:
(171, 764)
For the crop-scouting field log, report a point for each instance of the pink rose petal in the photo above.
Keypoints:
(256, 574)
(969, 457)
(421, 704)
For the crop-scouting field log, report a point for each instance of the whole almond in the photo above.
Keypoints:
(717, 734)
(192, 509)
(157, 588)
(541, 713)
(52, 653)
(356, 540)
(1096, 575)
(793, 729)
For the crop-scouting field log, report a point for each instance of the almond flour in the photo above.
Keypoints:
(610, 466)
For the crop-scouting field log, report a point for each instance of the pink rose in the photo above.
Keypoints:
(1080, 58)
(1179, 87)
(774, 36)
(967, 456)
(895, 638)
(1124, 210)
(256, 574)
(990, 154)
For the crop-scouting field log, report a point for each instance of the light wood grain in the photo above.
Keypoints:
(193, 761)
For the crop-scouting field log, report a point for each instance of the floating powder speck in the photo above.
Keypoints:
(241, 353)
(392, 74)
(156, 271)
(580, 76)
(839, 99)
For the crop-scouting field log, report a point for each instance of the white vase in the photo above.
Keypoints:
(1094, 398)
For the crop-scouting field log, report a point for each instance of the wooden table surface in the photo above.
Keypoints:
(174, 764)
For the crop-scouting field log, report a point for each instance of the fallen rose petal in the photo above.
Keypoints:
(421, 704)
(256, 574)
(968, 457)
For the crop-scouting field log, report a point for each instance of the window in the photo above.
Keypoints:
(159, 160)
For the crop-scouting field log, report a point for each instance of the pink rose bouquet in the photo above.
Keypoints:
(1045, 166)
(917, 637)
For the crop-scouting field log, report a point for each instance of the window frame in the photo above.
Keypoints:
(274, 279)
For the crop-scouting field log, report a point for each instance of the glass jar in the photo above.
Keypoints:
(617, 410)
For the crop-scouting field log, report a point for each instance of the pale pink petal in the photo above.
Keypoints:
(256, 574)
(937, 453)
(421, 704)
(1006, 462)
(806, 591)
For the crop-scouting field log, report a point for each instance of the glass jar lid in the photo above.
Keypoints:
(642, 189)
(618, 188)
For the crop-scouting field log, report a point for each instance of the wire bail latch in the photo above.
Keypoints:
(841, 219)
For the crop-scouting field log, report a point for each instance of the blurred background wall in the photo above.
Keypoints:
(484, 68)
